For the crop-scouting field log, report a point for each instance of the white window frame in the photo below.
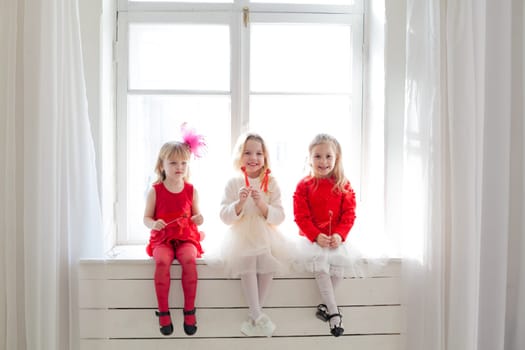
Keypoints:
(232, 15)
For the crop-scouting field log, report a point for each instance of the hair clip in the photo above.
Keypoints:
(196, 142)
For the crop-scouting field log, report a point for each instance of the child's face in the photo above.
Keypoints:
(175, 167)
(253, 158)
(322, 160)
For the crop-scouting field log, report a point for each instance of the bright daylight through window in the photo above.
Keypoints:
(284, 69)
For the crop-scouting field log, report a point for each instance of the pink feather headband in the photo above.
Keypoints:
(195, 142)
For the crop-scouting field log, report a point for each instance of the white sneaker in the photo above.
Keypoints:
(264, 326)
(248, 328)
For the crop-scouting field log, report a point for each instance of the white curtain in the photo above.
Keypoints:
(50, 212)
(464, 257)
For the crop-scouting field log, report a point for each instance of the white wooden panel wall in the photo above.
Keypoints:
(117, 304)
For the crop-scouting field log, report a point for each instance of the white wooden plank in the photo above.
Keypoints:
(364, 342)
(226, 322)
(102, 284)
(227, 293)
(94, 323)
(144, 269)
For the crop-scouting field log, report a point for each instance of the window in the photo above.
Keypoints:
(286, 70)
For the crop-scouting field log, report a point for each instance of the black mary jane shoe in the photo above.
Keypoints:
(336, 329)
(189, 329)
(322, 312)
(168, 329)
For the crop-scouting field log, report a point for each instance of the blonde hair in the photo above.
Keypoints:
(180, 150)
(241, 145)
(337, 173)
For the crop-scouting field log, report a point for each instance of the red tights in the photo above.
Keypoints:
(185, 253)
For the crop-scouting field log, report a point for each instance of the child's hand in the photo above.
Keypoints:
(335, 240)
(323, 240)
(197, 219)
(256, 195)
(159, 225)
(244, 192)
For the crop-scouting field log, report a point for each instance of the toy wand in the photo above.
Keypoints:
(330, 213)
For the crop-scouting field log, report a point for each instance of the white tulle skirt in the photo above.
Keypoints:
(251, 245)
(343, 261)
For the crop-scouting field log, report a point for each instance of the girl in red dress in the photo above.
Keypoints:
(172, 213)
(324, 210)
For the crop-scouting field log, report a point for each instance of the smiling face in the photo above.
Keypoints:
(253, 158)
(322, 159)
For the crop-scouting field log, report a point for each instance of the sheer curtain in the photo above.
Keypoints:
(50, 213)
(464, 256)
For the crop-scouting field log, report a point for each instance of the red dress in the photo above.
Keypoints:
(176, 210)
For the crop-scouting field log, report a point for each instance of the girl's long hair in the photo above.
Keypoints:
(338, 173)
(180, 150)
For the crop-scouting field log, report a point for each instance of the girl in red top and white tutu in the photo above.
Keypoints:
(172, 213)
(324, 210)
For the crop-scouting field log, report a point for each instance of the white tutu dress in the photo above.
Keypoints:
(252, 235)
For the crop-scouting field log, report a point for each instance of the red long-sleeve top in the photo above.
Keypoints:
(319, 208)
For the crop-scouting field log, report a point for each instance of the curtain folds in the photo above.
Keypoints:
(49, 196)
(464, 145)
(423, 184)
(11, 266)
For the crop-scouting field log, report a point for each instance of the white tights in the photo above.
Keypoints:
(255, 287)
(327, 285)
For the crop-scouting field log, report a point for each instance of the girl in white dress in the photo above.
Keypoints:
(253, 248)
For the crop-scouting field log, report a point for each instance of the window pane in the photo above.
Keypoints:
(299, 119)
(179, 56)
(190, 1)
(301, 58)
(304, 2)
(153, 120)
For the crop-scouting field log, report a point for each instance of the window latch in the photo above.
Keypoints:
(245, 16)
